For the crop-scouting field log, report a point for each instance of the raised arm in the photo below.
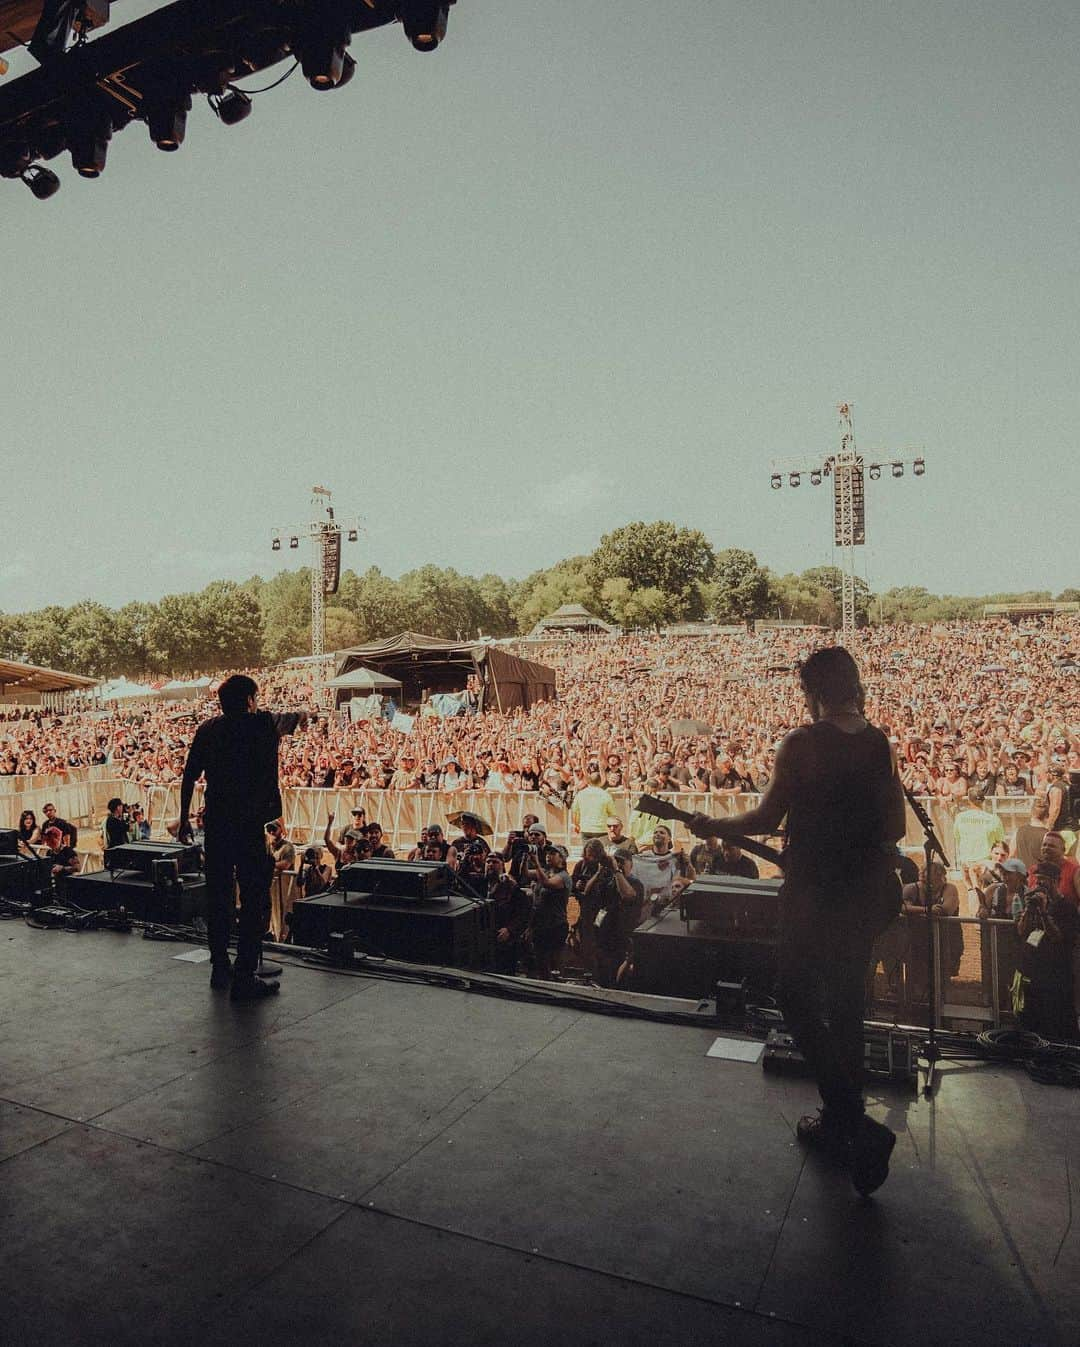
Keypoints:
(766, 818)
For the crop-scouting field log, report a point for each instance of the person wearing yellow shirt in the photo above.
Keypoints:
(975, 830)
(591, 809)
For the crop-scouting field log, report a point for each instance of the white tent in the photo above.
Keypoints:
(364, 680)
(123, 690)
(183, 690)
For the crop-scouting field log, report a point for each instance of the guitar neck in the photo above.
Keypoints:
(652, 804)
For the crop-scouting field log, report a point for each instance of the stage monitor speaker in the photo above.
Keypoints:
(9, 841)
(405, 881)
(747, 909)
(26, 880)
(141, 856)
(132, 890)
(453, 930)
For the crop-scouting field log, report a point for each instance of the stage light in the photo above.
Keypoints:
(167, 121)
(322, 57)
(424, 22)
(294, 543)
(815, 478)
(353, 535)
(875, 471)
(232, 107)
(919, 467)
(15, 158)
(776, 481)
(348, 70)
(794, 478)
(43, 182)
(89, 131)
(898, 469)
(275, 546)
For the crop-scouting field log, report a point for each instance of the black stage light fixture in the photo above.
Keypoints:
(919, 467)
(875, 471)
(275, 546)
(322, 57)
(15, 158)
(348, 70)
(815, 478)
(232, 107)
(897, 469)
(89, 131)
(353, 535)
(43, 182)
(794, 479)
(167, 120)
(776, 481)
(294, 542)
(424, 22)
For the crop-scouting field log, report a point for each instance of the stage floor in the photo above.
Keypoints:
(365, 1161)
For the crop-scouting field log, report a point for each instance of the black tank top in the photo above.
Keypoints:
(838, 820)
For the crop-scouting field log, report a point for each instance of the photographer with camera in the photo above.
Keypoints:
(625, 907)
(592, 880)
(314, 876)
(116, 824)
(510, 912)
(1048, 925)
(548, 927)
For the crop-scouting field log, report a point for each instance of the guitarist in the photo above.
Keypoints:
(836, 781)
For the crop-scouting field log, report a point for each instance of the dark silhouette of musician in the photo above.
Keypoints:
(836, 781)
(238, 753)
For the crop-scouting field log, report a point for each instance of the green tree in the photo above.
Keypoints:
(831, 578)
(648, 607)
(542, 592)
(90, 644)
(740, 591)
(794, 598)
(377, 603)
(660, 555)
(342, 628)
(231, 627)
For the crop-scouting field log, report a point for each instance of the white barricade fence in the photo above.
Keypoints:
(82, 794)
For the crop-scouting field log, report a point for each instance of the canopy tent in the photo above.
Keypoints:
(184, 690)
(424, 665)
(572, 617)
(122, 690)
(18, 679)
(364, 680)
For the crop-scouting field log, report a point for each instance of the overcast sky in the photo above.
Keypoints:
(592, 261)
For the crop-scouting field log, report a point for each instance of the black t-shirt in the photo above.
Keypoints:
(68, 829)
(116, 831)
(239, 756)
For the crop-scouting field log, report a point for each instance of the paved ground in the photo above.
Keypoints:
(363, 1160)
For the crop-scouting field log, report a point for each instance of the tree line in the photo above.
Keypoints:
(641, 575)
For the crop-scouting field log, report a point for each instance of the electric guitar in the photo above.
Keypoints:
(663, 809)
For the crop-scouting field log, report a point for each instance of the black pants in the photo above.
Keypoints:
(237, 859)
(823, 955)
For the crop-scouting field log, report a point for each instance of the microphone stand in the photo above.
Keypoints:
(931, 847)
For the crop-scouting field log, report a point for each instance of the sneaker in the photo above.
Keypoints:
(221, 976)
(820, 1132)
(872, 1147)
(252, 989)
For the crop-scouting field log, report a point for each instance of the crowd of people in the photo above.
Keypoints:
(985, 705)
(974, 712)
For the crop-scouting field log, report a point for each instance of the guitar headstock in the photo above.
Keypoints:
(657, 808)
